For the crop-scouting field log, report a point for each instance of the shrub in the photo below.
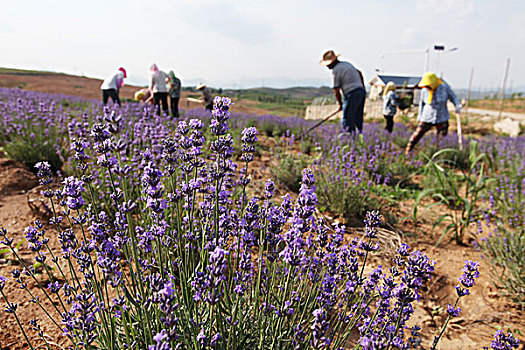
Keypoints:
(32, 148)
(289, 171)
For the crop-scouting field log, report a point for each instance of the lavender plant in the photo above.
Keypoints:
(185, 265)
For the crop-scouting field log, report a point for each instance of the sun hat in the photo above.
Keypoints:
(123, 71)
(200, 86)
(139, 95)
(430, 79)
(328, 58)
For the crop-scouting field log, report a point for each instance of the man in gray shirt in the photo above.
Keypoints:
(348, 81)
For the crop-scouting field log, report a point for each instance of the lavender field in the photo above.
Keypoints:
(233, 231)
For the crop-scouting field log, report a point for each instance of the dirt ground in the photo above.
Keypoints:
(516, 105)
(483, 311)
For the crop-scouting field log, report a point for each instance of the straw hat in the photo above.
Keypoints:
(328, 58)
(139, 95)
(200, 86)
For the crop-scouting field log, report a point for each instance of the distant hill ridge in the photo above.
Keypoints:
(12, 78)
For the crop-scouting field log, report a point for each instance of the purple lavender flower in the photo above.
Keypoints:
(470, 272)
(3, 280)
(72, 190)
(320, 328)
(504, 341)
(44, 173)
(454, 312)
(161, 342)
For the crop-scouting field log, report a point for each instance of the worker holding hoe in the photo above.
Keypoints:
(433, 111)
(348, 82)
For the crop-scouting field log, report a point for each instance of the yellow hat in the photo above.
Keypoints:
(200, 86)
(431, 80)
(139, 95)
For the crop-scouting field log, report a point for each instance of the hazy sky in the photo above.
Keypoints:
(273, 43)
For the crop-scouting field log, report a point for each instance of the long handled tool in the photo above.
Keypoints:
(316, 125)
(460, 133)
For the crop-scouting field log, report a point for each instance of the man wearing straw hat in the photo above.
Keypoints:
(206, 96)
(348, 81)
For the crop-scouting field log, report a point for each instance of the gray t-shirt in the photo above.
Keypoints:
(158, 81)
(346, 77)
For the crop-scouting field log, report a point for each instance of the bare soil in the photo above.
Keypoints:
(516, 105)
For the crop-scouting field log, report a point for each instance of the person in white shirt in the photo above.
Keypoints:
(158, 84)
(111, 86)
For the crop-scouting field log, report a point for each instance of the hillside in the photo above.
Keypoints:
(290, 101)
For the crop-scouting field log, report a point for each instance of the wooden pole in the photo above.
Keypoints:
(460, 134)
(503, 89)
(468, 97)
(316, 125)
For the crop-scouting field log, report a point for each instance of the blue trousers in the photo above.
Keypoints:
(353, 106)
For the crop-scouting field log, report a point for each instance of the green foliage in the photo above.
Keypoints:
(289, 171)
(505, 253)
(504, 247)
(351, 200)
(32, 148)
(459, 191)
(405, 102)
(306, 146)
(457, 158)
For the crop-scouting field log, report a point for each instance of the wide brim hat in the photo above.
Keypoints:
(200, 86)
(329, 57)
(429, 79)
(139, 95)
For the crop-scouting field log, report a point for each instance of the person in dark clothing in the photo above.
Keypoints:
(174, 93)
(390, 103)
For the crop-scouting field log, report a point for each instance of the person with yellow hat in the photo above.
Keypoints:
(433, 111)
(348, 82)
(390, 103)
(144, 95)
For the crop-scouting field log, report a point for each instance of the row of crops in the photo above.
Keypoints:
(159, 238)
